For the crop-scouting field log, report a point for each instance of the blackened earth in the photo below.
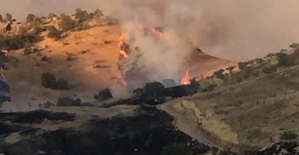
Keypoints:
(149, 132)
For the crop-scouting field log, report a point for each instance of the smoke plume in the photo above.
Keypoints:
(231, 29)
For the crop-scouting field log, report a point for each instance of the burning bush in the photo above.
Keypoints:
(48, 80)
(103, 95)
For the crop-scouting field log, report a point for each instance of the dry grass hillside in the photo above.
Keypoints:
(253, 108)
(86, 58)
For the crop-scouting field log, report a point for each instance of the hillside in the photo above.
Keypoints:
(253, 108)
(87, 59)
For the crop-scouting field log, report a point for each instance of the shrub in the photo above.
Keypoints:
(177, 149)
(230, 69)
(288, 135)
(51, 16)
(283, 59)
(269, 70)
(64, 101)
(152, 88)
(54, 33)
(82, 15)
(8, 17)
(66, 23)
(48, 80)
(30, 18)
(62, 84)
(103, 95)
(18, 41)
(48, 104)
(242, 65)
(294, 45)
(1, 18)
(219, 74)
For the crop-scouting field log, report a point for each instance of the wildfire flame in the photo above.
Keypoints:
(159, 34)
(121, 41)
(186, 80)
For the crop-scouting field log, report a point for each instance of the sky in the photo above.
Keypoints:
(20, 8)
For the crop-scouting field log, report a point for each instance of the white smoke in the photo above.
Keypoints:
(232, 29)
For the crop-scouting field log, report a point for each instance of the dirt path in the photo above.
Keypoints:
(182, 124)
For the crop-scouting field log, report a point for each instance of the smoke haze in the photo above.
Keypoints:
(234, 29)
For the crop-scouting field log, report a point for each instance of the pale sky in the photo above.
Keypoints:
(20, 8)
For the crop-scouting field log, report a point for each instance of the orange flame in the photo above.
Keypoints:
(159, 34)
(121, 41)
(186, 80)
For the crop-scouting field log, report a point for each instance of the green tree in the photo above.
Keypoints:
(8, 16)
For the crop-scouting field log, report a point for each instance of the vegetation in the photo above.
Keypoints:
(66, 23)
(54, 33)
(288, 135)
(66, 101)
(294, 45)
(270, 69)
(8, 17)
(219, 74)
(153, 88)
(17, 41)
(48, 80)
(103, 95)
(283, 59)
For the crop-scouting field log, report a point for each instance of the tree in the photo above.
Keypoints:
(54, 33)
(51, 16)
(66, 23)
(103, 95)
(8, 16)
(219, 74)
(283, 59)
(48, 80)
(81, 15)
(1, 18)
(98, 13)
(30, 18)
(230, 69)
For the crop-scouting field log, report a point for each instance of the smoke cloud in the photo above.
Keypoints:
(231, 29)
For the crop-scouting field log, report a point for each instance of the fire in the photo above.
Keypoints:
(159, 34)
(121, 41)
(186, 80)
